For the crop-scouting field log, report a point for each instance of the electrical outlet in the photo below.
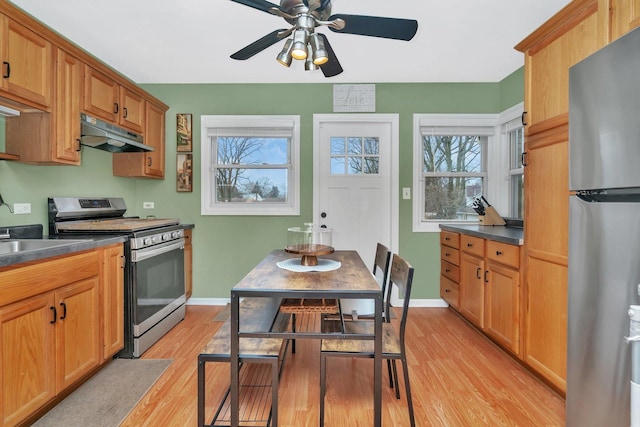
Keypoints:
(148, 205)
(406, 193)
(22, 208)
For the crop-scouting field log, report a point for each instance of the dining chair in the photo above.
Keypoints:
(393, 339)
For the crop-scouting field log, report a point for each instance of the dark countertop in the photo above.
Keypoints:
(500, 233)
(88, 242)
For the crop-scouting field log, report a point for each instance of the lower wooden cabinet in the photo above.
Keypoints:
(50, 328)
(113, 300)
(486, 287)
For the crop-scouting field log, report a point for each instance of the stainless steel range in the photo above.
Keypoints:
(154, 295)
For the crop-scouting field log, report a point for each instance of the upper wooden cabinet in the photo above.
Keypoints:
(51, 138)
(106, 99)
(50, 81)
(27, 64)
(148, 164)
(624, 16)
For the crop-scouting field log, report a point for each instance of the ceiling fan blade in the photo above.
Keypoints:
(262, 5)
(376, 26)
(260, 44)
(332, 67)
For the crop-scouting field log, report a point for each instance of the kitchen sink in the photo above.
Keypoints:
(15, 246)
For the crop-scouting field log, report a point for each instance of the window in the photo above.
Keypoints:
(250, 165)
(450, 167)
(516, 171)
(355, 155)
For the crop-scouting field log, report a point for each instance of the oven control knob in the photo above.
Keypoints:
(175, 234)
(164, 237)
(146, 241)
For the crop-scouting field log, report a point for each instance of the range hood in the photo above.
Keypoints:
(8, 112)
(98, 134)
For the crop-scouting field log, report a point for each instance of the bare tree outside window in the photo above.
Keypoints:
(453, 168)
(251, 169)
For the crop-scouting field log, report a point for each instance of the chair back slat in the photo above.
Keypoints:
(402, 277)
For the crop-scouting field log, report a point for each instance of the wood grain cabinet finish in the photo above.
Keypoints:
(50, 331)
(108, 100)
(53, 327)
(148, 164)
(449, 268)
(188, 262)
(51, 138)
(27, 64)
(624, 16)
(113, 300)
(472, 276)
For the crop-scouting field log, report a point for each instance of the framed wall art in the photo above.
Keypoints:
(184, 172)
(183, 130)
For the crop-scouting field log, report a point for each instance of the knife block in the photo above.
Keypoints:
(491, 217)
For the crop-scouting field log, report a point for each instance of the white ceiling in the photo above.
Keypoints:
(189, 41)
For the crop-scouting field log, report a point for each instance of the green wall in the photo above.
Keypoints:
(227, 247)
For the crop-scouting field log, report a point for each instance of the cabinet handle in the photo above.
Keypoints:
(64, 311)
(149, 161)
(55, 315)
(124, 260)
(447, 291)
(447, 239)
(523, 159)
(486, 280)
(446, 270)
(116, 108)
(447, 254)
(79, 144)
(498, 253)
(478, 273)
(469, 245)
(7, 70)
(125, 112)
(523, 118)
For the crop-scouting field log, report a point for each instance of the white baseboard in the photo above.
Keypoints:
(429, 303)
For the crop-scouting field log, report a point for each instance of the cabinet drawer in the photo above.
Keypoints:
(472, 245)
(449, 270)
(449, 254)
(450, 239)
(503, 253)
(449, 291)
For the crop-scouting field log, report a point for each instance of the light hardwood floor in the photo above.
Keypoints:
(458, 378)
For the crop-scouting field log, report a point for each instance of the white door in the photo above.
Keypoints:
(355, 184)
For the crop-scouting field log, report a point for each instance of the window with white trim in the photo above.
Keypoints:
(515, 132)
(450, 167)
(250, 165)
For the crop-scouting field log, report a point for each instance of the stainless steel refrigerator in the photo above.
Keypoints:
(604, 237)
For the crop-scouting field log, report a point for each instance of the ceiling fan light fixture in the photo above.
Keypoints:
(319, 53)
(284, 57)
(309, 63)
(299, 47)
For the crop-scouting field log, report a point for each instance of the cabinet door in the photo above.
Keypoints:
(549, 53)
(132, 111)
(148, 164)
(100, 95)
(66, 115)
(472, 288)
(27, 357)
(113, 300)
(502, 305)
(78, 330)
(27, 63)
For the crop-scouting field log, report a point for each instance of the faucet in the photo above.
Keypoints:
(6, 204)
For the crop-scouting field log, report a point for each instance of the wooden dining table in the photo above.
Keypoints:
(266, 280)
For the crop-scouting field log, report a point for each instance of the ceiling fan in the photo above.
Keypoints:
(312, 47)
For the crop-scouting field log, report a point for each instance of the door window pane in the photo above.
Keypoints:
(355, 156)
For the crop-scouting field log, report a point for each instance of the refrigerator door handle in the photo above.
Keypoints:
(635, 338)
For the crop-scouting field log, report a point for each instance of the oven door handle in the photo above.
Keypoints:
(143, 254)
